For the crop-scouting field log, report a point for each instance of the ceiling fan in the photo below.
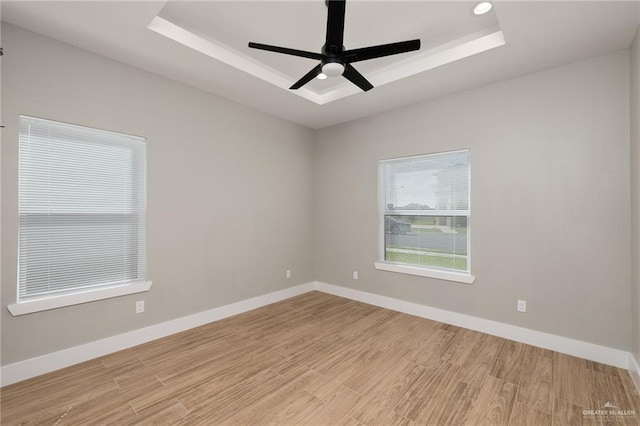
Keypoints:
(334, 59)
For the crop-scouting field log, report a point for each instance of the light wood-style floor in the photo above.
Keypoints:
(321, 359)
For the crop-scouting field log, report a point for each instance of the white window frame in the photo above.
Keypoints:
(78, 295)
(414, 269)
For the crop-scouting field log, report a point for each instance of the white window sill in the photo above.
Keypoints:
(37, 305)
(424, 272)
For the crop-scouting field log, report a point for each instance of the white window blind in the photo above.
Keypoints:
(81, 209)
(425, 211)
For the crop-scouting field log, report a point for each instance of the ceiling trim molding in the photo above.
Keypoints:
(227, 55)
(458, 49)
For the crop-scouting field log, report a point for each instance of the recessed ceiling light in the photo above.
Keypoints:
(321, 76)
(482, 8)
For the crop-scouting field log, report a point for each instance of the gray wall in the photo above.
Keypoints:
(229, 191)
(232, 200)
(549, 196)
(1, 139)
(635, 193)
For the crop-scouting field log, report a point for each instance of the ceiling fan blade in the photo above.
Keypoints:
(307, 77)
(351, 74)
(286, 51)
(335, 26)
(380, 51)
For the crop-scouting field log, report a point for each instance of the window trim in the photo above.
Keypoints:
(405, 268)
(412, 269)
(52, 302)
(80, 295)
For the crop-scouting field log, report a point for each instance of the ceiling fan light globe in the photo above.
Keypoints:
(321, 76)
(332, 69)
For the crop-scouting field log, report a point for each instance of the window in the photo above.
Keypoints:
(81, 210)
(424, 214)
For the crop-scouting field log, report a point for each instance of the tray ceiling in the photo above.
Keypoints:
(459, 51)
(221, 30)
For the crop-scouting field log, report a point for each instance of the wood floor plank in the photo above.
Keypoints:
(570, 379)
(536, 381)
(389, 332)
(319, 359)
(476, 367)
(335, 406)
(252, 410)
(138, 383)
(354, 357)
(227, 386)
(224, 405)
(432, 348)
(110, 407)
(47, 416)
(629, 389)
(364, 323)
(607, 394)
(509, 361)
(495, 403)
(314, 351)
(169, 412)
(602, 368)
(566, 414)
(378, 408)
(348, 421)
(298, 410)
(381, 372)
(452, 406)
(524, 415)
(417, 396)
(606, 388)
(460, 347)
(37, 397)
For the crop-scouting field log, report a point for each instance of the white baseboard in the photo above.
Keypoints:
(32, 367)
(590, 351)
(634, 371)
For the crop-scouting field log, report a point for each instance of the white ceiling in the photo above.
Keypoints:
(459, 51)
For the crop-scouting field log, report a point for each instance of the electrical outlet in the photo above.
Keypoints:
(139, 306)
(288, 273)
(522, 305)
(355, 275)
